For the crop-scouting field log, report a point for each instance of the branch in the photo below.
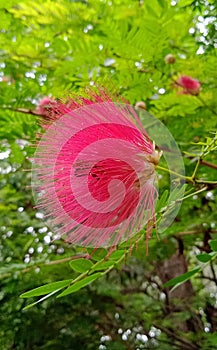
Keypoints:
(23, 110)
(193, 232)
(210, 185)
(53, 262)
(206, 105)
(209, 164)
(213, 272)
(206, 278)
(185, 343)
(56, 262)
(134, 290)
(190, 179)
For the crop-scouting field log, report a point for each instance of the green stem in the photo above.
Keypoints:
(205, 105)
(175, 173)
(206, 182)
(192, 194)
(196, 168)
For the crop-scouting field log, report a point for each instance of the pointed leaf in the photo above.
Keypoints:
(81, 265)
(162, 200)
(204, 257)
(41, 299)
(80, 284)
(98, 254)
(103, 265)
(182, 278)
(117, 254)
(47, 288)
(213, 245)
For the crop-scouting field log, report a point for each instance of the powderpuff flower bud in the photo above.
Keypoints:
(140, 105)
(190, 86)
(95, 172)
(46, 106)
(169, 59)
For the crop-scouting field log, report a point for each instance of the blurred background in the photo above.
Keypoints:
(162, 54)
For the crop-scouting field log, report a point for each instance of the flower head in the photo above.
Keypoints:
(95, 172)
(190, 86)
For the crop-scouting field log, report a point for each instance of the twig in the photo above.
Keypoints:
(186, 343)
(56, 262)
(23, 110)
(187, 178)
(206, 278)
(213, 272)
(193, 232)
(205, 105)
(49, 263)
(204, 162)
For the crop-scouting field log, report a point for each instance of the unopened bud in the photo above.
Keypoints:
(169, 59)
(46, 106)
(140, 105)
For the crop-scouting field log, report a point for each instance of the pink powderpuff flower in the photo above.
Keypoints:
(190, 86)
(95, 172)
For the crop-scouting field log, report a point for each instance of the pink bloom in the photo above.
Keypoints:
(190, 86)
(95, 173)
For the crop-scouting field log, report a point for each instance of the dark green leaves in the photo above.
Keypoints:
(89, 272)
(52, 288)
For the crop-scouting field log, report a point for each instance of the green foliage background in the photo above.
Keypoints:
(46, 49)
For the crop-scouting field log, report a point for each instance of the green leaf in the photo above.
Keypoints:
(117, 254)
(184, 3)
(182, 278)
(41, 299)
(204, 257)
(162, 200)
(16, 153)
(81, 265)
(211, 340)
(47, 288)
(97, 255)
(213, 245)
(103, 265)
(80, 284)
